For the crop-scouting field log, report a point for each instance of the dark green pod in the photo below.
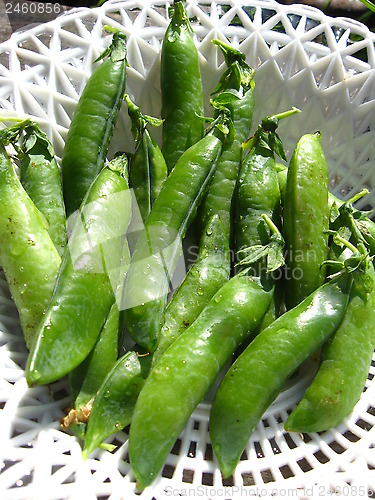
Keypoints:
(205, 277)
(260, 372)
(147, 170)
(181, 87)
(237, 82)
(186, 371)
(114, 403)
(92, 124)
(158, 247)
(345, 361)
(306, 219)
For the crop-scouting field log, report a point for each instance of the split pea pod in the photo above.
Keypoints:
(40, 175)
(237, 82)
(92, 124)
(148, 170)
(204, 278)
(28, 255)
(158, 248)
(181, 87)
(87, 280)
(260, 372)
(342, 374)
(306, 219)
(183, 375)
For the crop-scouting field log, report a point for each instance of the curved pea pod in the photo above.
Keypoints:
(114, 403)
(40, 176)
(148, 170)
(181, 87)
(306, 219)
(186, 371)
(208, 273)
(237, 84)
(260, 372)
(87, 282)
(158, 248)
(342, 374)
(27, 254)
(92, 124)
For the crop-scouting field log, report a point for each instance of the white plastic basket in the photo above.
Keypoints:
(302, 58)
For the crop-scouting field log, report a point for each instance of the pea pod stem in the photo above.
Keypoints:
(235, 91)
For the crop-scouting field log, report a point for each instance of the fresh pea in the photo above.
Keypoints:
(158, 247)
(87, 282)
(186, 371)
(237, 87)
(27, 254)
(344, 366)
(208, 273)
(365, 225)
(256, 200)
(148, 170)
(40, 175)
(181, 87)
(205, 277)
(92, 123)
(306, 219)
(114, 403)
(260, 372)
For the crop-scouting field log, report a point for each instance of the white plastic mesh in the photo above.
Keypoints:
(323, 66)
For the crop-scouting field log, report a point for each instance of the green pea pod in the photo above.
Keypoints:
(40, 176)
(364, 223)
(208, 273)
(158, 247)
(186, 371)
(258, 208)
(148, 169)
(342, 374)
(205, 277)
(260, 372)
(86, 379)
(115, 401)
(237, 86)
(306, 219)
(92, 124)
(87, 281)
(27, 254)
(181, 87)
